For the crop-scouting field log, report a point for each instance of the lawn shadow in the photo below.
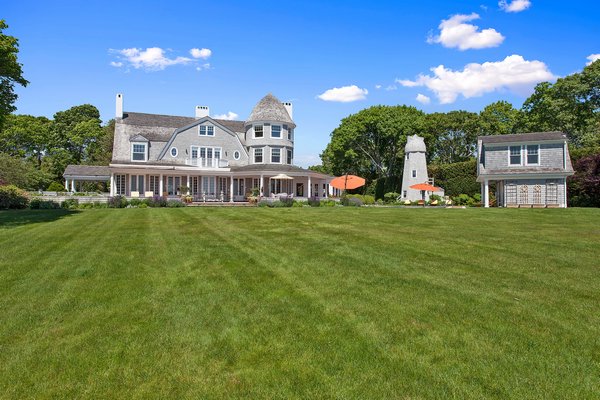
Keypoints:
(14, 218)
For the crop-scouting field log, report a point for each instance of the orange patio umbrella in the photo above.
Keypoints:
(425, 187)
(347, 182)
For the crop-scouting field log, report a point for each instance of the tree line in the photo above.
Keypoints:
(371, 142)
(34, 151)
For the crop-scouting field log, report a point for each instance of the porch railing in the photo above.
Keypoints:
(207, 162)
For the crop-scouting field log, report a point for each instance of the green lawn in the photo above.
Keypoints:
(300, 303)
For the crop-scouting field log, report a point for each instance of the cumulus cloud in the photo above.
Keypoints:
(514, 5)
(201, 53)
(156, 59)
(514, 73)
(421, 98)
(593, 57)
(456, 32)
(230, 116)
(344, 94)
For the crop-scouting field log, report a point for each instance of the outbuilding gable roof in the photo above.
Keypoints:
(269, 108)
(523, 137)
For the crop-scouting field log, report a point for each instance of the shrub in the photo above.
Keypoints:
(175, 204)
(354, 202)
(157, 201)
(263, 203)
(314, 202)
(38, 204)
(70, 203)
(390, 197)
(328, 203)
(56, 187)
(457, 178)
(143, 205)
(97, 204)
(117, 201)
(12, 197)
(300, 203)
(135, 202)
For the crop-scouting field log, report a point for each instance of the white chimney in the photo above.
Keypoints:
(119, 113)
(288, 108)
(201, 111)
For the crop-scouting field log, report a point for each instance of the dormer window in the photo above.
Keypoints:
(206, 130)
(533, 154)
(515, 155)
(258, 131)
(139, 151)
(276, 131)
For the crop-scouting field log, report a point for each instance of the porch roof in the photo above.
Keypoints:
(88, 172)
(277, 169)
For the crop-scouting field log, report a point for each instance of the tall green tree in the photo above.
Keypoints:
(499, 118)
(455, 136)
(371, 142)
(571, 105)
(26, 136)
(11, 72)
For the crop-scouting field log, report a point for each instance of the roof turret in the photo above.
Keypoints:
(269, 108)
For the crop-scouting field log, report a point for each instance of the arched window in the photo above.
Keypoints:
(173, 151)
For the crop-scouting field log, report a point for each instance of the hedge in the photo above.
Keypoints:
(457, 178)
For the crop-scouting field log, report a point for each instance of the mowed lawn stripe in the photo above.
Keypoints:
(283, 303)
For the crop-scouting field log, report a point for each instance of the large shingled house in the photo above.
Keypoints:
(530, 169)
(156, 155)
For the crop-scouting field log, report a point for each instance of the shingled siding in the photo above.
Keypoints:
(267, 140)
(122, 144)
(227, 142)
(551, 156)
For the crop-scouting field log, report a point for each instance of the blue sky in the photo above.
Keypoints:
(379, 53)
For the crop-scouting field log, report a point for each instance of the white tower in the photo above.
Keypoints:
(415, 168)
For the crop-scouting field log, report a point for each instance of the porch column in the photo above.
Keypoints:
(112, 184)
(231, 189)
(262, 185)
(309, 191)
(66, 184)
(72, 185)
(160, 185)
(188, 183)
(565, 192)
(486, 194)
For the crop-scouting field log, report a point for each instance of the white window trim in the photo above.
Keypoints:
(262, 149)
(206, 135)
(280, 158)
(176, 151)
(145, 151)
(254, 132)
(238, 154)
(280, 132)
(413, 173)
(526, 150)
(523, 152)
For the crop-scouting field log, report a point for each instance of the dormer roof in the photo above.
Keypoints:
(269, 108)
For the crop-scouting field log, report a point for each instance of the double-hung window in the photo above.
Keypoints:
(258, 131)
(139, 151)
(206, 130)
(515, 155)
(290, 155)
(275, 155)
(276, 131)
(258, 156)
(533, 154)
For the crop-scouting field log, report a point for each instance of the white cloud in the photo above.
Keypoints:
(201, 53)
(421, 98)
(151, 59)
(230, 116)
(377, 87)
(117, 64)
(391, 87)
(344, 94)
(593, 57)
(514, 73)
(514, 5)
(455, 32)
